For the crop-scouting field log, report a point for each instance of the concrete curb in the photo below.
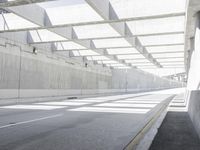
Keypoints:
(132, 145)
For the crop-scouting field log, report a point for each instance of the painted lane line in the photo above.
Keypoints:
(30, 121)
(32, 107)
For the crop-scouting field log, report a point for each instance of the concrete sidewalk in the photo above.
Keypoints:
(177, 131)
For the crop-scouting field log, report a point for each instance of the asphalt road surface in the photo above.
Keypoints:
(100, 123)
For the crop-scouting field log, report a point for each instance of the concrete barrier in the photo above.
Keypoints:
(149, 121)
(194, 108)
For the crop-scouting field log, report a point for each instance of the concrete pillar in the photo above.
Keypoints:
(194, 73)
(193, 90)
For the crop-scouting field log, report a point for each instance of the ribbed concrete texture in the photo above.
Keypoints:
(25, 74)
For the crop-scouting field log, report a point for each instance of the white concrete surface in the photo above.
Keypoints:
(25, 74)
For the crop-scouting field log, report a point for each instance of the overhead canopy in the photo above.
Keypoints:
(143, 34)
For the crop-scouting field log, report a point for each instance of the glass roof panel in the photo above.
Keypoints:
(136, 56)
(174, 66)
(137, 61)
(172, 48)
(65, 12)
(170, 59)
(44, 35)
(162, 39)
(166, 55)
(124, 8)
(114, 51)
(172, 63)
(95, 31)
(68, 46)
(161, 25)
(142, 64)
(12, 21)
(116, 42)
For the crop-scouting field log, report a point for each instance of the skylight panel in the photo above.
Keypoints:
(136, 56)
(174, 66)
(68, 46)
(142, 64)
(44, 35)
(172, 63)
(137, 61)
(173, 48)
(9, 21)
(95, 31)
(162, 39)
(161, 25)
(115, 51)
(169, 59)
(111, 43)
(77, 11)
(166, 55)
(124, 8)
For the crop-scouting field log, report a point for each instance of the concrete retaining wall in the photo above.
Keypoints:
(137, 79)
(24, 74)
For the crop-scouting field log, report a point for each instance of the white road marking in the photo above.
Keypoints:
(126, 105)
(32, 107)
(62, 103)
(111, 110)
(29, 121)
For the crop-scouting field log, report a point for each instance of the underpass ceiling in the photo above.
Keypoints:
(120, 34)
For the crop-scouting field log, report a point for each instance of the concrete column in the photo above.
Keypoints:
(194, 73)
(193, 90)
